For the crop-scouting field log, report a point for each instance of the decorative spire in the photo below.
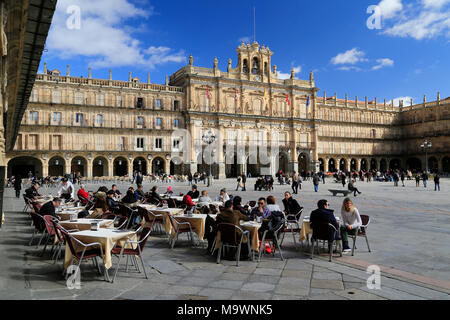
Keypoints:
(229, 65)
(439, 96)
(191, 60)
(68, 70)
(129, 76)
(45, 67)
(167, 80)
(216, 62)
(148, 78)
(292, 73)
(311, 76)
(110, 74)
(90, 73)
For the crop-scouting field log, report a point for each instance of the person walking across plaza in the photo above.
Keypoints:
(295, 183)
(139, 178)
(351, 221)
(402, 177)
(395, 178)
(244, 180)
(425, 179)
(417, 180)
(343, 179)
(316, 181)
(436, 182)
(239, 178)
(18, 185)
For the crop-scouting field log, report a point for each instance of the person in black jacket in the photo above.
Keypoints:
(49, 209)
(32, 192)
(129, 198)
(244, 180)
(139, 178)
(18, 185)
(194, 193)
(321, 216)
(237, 205)
(112, 204)
(291, 206)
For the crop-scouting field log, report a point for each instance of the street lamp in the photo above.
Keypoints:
(209, 138)
(426, 145)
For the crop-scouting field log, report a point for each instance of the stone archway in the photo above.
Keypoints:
(120, 167)
(446, 164)
(56, 166)
(343, 164)
(22, 166)
(303, 162)
(79, 165)
(158, 166)
(332, 165)
(433, 164)
(321, 165)
(100, 167)
(140, 164)
(283, 162)
(414, 164)
(177, 166)
(373, 164)
(395, 164)
(353, 164)
(363, 165)
(383, 165)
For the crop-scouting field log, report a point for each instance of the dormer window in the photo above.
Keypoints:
(255, 66)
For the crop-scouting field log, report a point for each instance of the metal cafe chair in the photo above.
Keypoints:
(361, 232)
(229, 238)
(144, 233)
(180, 228)
(323, 232)
(271, 237)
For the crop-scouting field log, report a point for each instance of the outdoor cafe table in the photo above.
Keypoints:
(197, 222)
(252, 227)
(85, 224)
(164, 212)
(106, 237)
(180, 198)
(66, 213)
(307, 230)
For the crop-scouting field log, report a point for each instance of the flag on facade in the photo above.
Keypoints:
(287, 100)
(307, 102)
(235, 95)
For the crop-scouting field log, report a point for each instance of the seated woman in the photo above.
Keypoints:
(155, 195)
(204, 198)
(100, 208)
(129, 198)
(187, 200)
(351, 221)
(275, 220)
(238, 206)
(169, 191)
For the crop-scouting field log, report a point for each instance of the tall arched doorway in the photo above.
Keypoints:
(332, 165)
(342, 164)
(139, 164)
(302, 162)
(79, 166)
(414, 164)
(177, 166)
(321, 165)
(395, 164)
(120, 167)
(100, 167)
(363, 164)
(446, 164)
(383, 165)
(433, 164)
(158, 165)
(373, 164)
(56, 167)
(232, 169)
(283, 162)
(353, 165)
(22, 166)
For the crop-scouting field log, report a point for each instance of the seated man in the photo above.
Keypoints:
(32, 192)
(139, 193)
(194, 193)
(117, 193)
(324, 215)
(112, 204)
(275, 220)
(129, 198)
(49, 209)
(67, 191)
(352, 188)
(155, 195)
(260, 210)
(291, 206)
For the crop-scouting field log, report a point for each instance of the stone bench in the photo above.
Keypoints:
(344, 192)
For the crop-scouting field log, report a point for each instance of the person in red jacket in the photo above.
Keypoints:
(187, 200)
(83, 194)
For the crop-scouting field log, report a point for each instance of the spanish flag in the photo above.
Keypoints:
(287, 100)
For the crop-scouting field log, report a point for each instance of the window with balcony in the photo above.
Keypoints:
(119, 101)
(176, 123)
(99, 120)
(56, 118)
(176, 144)
(100, 100)
(33, 142)
(140, 122)
(140, 103)
(55, 143)
(79, 98)
(79, 119)
(139, 144)
(158, 104)
(56, 96)
(176, 105)
(33, 117)
(158, 123)
(158, 143)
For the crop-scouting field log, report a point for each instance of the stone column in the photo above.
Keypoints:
(130, 168)
(110, 168)
(45, 168)
(325, 164)
(89, 168)
(167, 165)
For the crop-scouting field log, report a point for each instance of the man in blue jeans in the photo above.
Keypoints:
(316, 181)
(436, 182)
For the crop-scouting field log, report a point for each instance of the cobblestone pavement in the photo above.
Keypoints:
(409, 236)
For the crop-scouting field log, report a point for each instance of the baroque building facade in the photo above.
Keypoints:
(242, 120)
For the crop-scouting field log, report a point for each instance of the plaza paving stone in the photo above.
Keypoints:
(408, 234)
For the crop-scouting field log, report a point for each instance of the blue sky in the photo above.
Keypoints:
(406, 55)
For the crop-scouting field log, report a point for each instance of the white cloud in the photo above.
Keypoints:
(406, 101)
(424, 19)
(390, 8)
(284, 76)
(245, 39)
(385, 62)
(349, 68)
(352, 56)
(103, 38)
